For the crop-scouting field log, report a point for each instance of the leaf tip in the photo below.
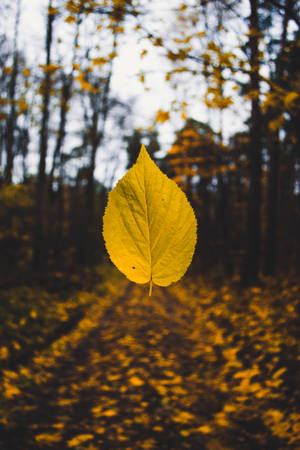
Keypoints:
(143, 152)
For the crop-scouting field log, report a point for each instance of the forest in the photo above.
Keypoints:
(88, 360)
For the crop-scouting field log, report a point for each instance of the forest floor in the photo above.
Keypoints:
(191, 367)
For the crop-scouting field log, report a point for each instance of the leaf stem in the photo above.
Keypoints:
(150, 288)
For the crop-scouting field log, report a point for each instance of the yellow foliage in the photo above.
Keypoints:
(183, 115)
(70, 19)
(205, 429)
(112, 55)
(84, 84)
(162, 390)
(271, 100)
(215, 100)
(22, 106)
(4, 352)
(136, 381)
(26, 72)
(183, 417)
(213, 47)
(79, 439)
(275, 124)
(162, 116)
(59, 426)
(52, 11)
(15, 196)
(72, 7)
(109, 413)
(194, 379)
(10, 389)
(66, 401)
(221, 419)
(99, 61)
(50, 68)
(48, 438)
(278, 373)
(254, 94)
(290, 98)
(185, 433)
(33, 314)
(7, 70)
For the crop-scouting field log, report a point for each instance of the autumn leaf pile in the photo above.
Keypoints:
(193, 366)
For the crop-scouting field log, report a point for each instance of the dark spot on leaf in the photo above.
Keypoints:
(133, 267)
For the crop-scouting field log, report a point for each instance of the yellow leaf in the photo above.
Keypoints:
(110, 413)
(278, 373)
(79, 439)
(162, 116)
(85, 85)
(58, 425)
(112, 55)
(149, 227)
(136, 381)
(7, 70)
(33, 314)
(72, 8)
(22, 105)
(205, 429)
(70, 19)
(185, 433)
(52, 11)
(99, 61)
(48, 438)
(4, 352)
(51, 68)
(290, 99)
(183, 417)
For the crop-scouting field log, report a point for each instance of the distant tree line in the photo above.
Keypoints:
(62, 113)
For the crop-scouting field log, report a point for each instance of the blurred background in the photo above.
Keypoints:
(211, 87)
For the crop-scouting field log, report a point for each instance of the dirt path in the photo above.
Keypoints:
(151, 373)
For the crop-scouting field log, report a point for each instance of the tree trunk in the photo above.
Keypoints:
(297, 188)
(40, 254)
(57, 201)
(65, 97)
(96, 137)
(253, 232)
(95, 142)
(224, 225)
(204, 257)
(272, 206)
(12, 116)
(274, 147)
